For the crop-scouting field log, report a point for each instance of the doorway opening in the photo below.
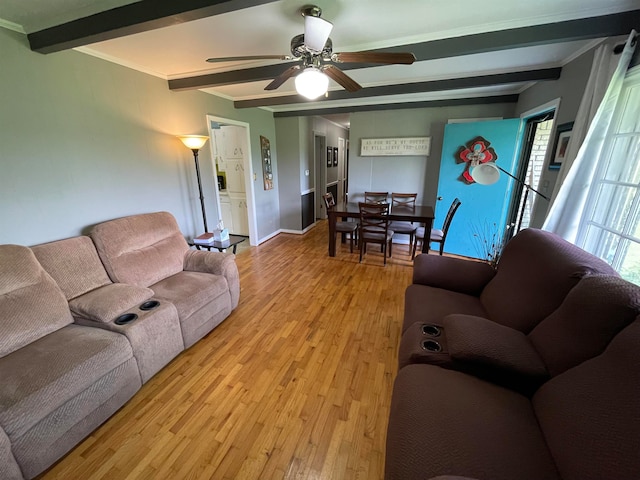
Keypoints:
(319, 155)
(233, 174)
(526, 193)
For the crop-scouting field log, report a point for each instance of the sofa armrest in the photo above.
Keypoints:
(105, 303)
(479, 341)
(456, 274)
(216, 263)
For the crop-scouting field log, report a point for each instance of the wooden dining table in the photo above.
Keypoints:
(421, 214)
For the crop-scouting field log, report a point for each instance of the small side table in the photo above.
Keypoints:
(232, 242)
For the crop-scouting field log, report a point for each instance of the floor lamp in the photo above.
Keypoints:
(195, 143)
(489, 173)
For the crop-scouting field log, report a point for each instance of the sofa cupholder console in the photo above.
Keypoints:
(431, 330)
(149, 305)
(154, 333)
(431, 346)
(126, 318)
(424, 343)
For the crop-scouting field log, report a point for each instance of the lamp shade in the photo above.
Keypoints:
(485, 173)
(194, 142)
(316, 32)
(312, 83)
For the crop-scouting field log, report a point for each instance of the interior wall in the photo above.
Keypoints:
(83, 140)
(406, 173)
(288, 136)
(295, 152)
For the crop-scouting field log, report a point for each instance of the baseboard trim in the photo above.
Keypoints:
(297, 232)
(268, 237)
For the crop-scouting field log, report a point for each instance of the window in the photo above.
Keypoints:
(610, 227)
(537, 136)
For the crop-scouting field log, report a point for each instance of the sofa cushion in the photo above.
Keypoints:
(455, 274)
(74, 265)
(594, 312)
(444, 422)
(218, 264)
(141, 249)
(590, 415)
(536, 271)
(66, 426)
(31, 304)
(54, 369)
(190, 291)
(430, 305)
(104, 304)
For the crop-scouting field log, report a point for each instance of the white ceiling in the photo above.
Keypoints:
(180, 50)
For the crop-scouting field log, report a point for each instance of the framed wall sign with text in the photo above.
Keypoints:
(407, 146)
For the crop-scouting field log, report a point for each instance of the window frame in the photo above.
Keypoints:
(588, 221)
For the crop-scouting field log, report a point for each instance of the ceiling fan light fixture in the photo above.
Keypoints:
(316, 33)
(312, 83)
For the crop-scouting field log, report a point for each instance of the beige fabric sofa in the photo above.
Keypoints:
(149, 251)
(78, 340)
(96, 301)
(60, 380)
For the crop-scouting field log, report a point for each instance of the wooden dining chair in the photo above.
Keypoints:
(374, 228)
(342, 227)
(404, 201)
(375, 197)
(437, 236)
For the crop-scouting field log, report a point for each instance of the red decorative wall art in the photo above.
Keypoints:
(474, 153)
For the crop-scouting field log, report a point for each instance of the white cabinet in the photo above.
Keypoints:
(234, 142)
(239, 214)
(231, 145)
(235, 176)
(226, 213)
(217, 149)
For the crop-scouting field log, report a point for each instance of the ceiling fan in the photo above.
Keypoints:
(314, 52)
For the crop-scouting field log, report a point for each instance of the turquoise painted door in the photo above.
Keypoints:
(484, 208)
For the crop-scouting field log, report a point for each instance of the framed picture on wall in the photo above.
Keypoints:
(335, 156)
(329, 157)
(267, 172)
(561, 144)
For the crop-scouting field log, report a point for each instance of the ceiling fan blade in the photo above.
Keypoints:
(342, 78)
(283, 77)
(406, 58)
(250, 57)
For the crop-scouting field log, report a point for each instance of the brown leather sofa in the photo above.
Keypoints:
(78, 340)
(528, 371)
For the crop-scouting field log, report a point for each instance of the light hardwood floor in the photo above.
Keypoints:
(295, 384)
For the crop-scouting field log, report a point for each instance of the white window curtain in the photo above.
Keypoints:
(589, 130)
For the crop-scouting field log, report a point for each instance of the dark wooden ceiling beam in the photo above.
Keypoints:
(408, 88)
(550, 33)
(449, 102)
(581, 29)
(129, 19)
